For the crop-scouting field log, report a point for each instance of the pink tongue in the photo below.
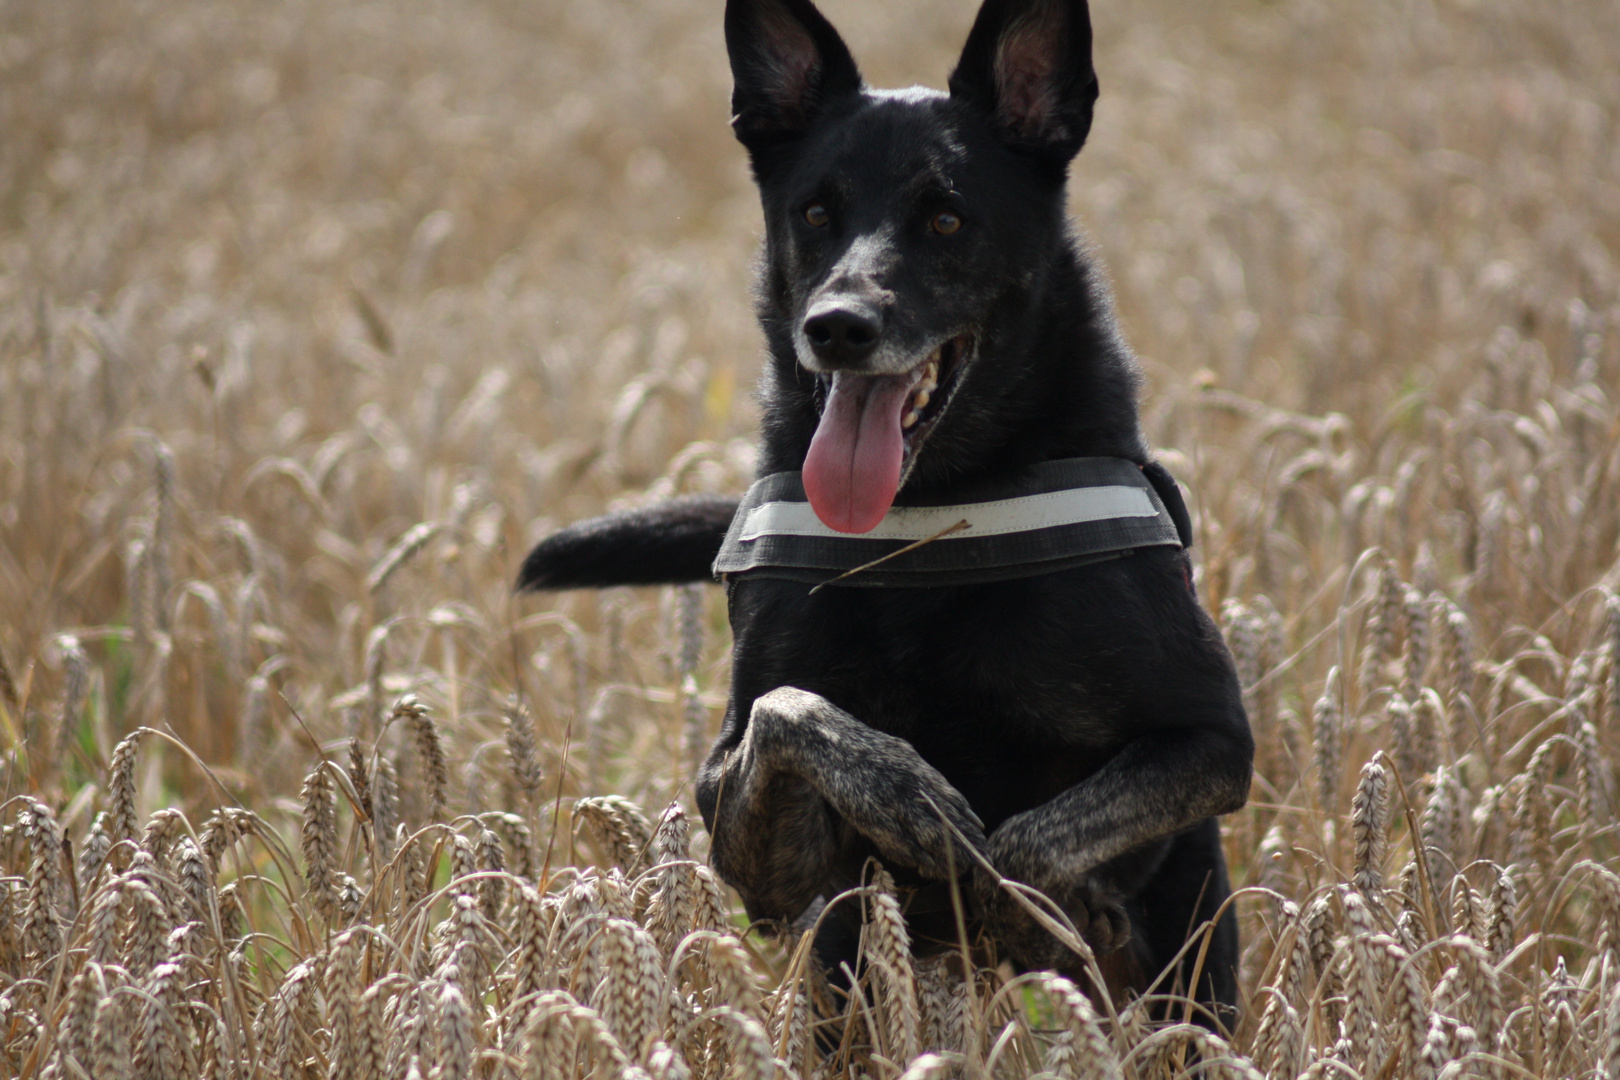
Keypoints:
(853, 468)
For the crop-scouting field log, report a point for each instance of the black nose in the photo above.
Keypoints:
(842, 332)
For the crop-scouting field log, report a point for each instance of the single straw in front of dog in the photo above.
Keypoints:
(958, 527)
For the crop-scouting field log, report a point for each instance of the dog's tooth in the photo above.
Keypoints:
(910, 419)
(920, 402)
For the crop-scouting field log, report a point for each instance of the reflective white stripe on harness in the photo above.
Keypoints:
(997, 518)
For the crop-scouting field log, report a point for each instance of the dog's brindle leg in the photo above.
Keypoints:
(776, 800)
(1154, 787)
(773, 802)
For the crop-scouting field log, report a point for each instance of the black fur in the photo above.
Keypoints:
(667, 544)
(1079, 729)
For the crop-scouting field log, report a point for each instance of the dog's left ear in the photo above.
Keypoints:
(1027, 64)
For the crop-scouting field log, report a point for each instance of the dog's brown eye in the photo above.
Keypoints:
(945, 223)
(816, 214)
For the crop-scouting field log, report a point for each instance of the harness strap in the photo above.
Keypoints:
(1169, 493)
(1052, 516)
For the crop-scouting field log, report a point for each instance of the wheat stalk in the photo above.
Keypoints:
(73, 1038)
(1384, 619)
(672, 908)
(429, 748)
(1328, 738)
(1415, 657)
(619, 828)
(121, 819)
(42, 918)
(319, 840)
(631, 994)
(1364, 980)
(1501, 914)
(349, 1050)
(457, 1036)
(521, 741)
(75, 685)
(163, 1050)
(1279, 1041)
(1369, 829)
(750, 1047)
(887, 947)
(1081, 1051)
(110, 1039)
(1611, 1034)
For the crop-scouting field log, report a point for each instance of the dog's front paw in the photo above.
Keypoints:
(1096, 912)
(927, 832)
(1106, 927)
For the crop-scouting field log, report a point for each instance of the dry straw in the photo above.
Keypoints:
(271, 447)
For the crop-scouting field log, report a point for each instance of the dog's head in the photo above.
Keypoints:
(909, 235)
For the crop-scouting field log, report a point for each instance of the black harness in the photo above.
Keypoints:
(1052, 516)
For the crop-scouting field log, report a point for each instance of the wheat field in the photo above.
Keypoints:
(313, 316)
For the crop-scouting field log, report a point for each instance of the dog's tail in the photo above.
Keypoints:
(668, 543)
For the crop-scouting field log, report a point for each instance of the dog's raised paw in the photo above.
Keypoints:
(1096, 913)
(927, 833)
(1107, 926)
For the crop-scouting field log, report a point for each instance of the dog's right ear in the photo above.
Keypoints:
(787, 62)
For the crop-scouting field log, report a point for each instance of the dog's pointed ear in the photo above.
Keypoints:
(787, 62)
(1027, 64)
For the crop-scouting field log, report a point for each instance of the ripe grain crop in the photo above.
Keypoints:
(314, 316)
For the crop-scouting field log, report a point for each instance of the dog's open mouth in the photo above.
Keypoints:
(870, 431)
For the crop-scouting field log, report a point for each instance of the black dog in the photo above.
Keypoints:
(937, 337)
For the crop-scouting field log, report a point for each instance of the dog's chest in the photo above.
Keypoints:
(987, 682)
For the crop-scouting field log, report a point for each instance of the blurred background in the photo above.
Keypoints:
(313, 315)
